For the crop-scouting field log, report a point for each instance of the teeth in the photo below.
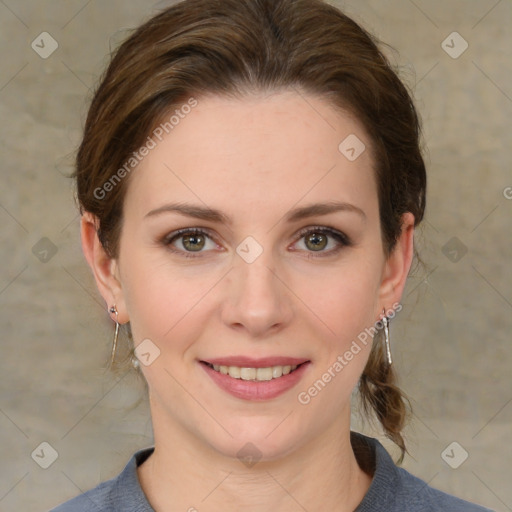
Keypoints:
(263, 374)
(235, 372)
(255, 374)
(277, 371)
(245, 373)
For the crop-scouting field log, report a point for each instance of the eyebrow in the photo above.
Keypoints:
(211, 214)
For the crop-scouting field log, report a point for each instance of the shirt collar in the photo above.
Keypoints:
(371, 456)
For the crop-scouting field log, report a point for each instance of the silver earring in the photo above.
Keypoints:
(385, 322)
(113, 310)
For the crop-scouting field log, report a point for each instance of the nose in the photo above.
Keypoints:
(257, 300)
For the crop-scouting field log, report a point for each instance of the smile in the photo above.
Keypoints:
(260, 381)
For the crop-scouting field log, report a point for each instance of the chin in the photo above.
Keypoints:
(259, 439)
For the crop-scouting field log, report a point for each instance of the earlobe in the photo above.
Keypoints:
(102, 265)
(398, 264)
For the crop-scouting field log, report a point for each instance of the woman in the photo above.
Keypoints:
(250, 179)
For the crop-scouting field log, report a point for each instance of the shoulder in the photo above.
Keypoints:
(101, 498)
(397, 488)
(422, 497)
(121, 493)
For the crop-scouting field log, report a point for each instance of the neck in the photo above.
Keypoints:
(185, 474)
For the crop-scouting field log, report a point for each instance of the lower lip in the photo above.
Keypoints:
(256, 390)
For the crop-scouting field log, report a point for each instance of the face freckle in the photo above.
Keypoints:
(235, 169)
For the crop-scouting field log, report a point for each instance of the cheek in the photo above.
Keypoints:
(167, 304)
(345, 300)
(346, 310)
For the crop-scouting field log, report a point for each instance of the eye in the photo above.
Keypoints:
(316, 239)
(188, 241)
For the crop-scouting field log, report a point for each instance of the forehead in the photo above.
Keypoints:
(273, 151)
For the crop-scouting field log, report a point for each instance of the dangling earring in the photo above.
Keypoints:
(113, 310)
(385, 322)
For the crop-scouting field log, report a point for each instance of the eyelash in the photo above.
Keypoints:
(342, 239)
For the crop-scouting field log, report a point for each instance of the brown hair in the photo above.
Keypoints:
(232, 48)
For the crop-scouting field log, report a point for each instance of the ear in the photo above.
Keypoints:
(104, 268)
(397, 266)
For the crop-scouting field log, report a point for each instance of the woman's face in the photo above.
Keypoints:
(285, 266)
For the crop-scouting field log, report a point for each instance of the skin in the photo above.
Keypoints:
(254, 159)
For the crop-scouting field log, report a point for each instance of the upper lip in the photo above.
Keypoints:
(251, 362)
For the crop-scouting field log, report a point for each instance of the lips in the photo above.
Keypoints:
(250, 379)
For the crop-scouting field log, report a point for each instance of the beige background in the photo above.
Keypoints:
(451, 342)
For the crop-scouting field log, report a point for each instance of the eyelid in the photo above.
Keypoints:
(328, 230)
(185, 231)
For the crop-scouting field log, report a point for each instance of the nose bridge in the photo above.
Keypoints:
(256, 278)
(256, 281)
(256, 297)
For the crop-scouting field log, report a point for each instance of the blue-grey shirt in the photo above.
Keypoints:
(393, 489)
